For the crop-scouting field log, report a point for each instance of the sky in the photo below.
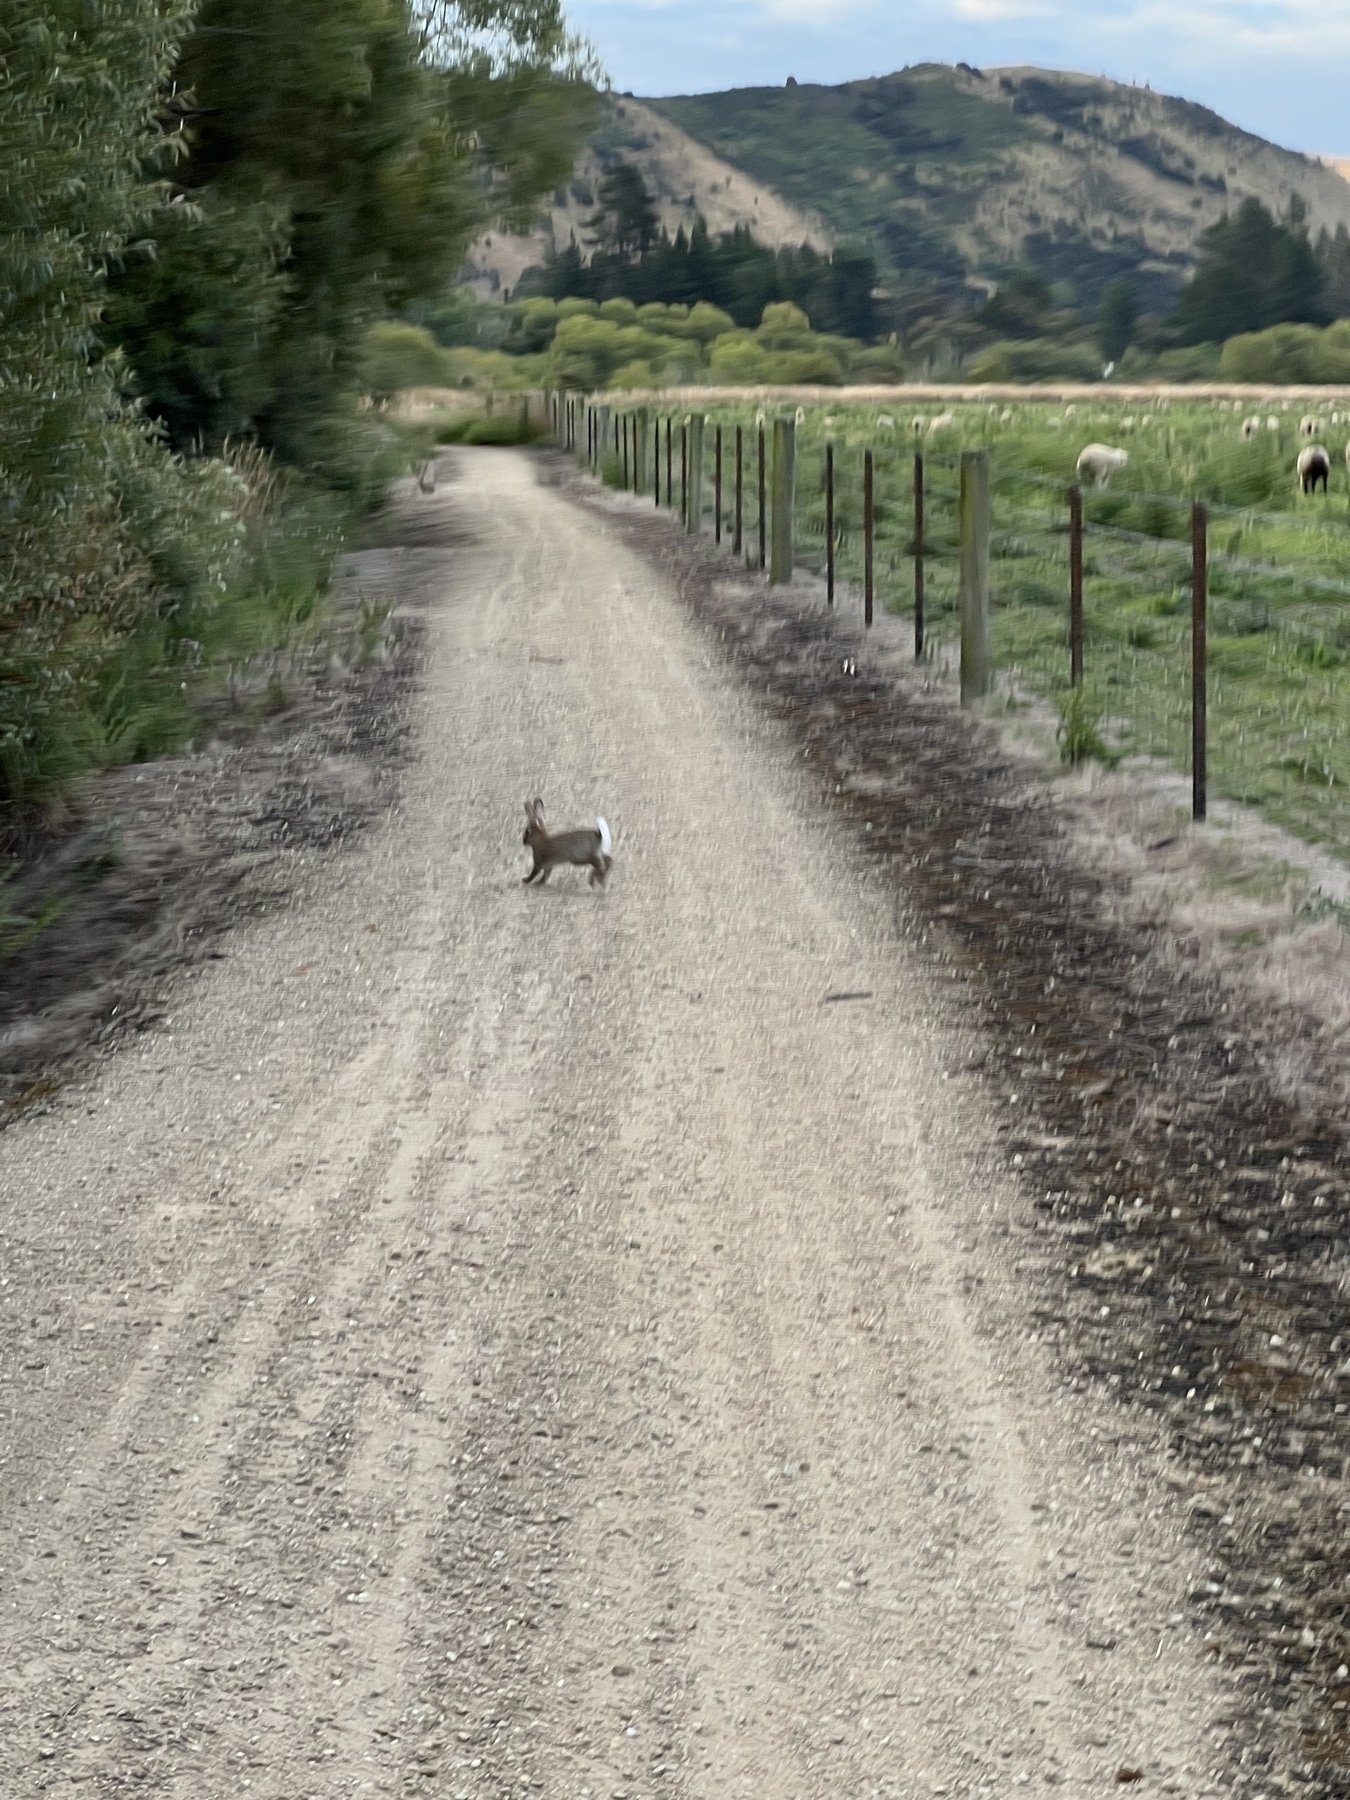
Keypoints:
(1280, 68)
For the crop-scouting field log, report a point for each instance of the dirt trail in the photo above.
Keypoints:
(493, 1339)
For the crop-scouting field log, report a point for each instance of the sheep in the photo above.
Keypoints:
(1272, 423)
(1314, 465)
(941, 422)
(1101, 462)
(917, 424)
(1005, 417)
(799, 417)
(885, 422)
(1127, 424)
(1309, 427)
(1069, 411)
(1251, 428)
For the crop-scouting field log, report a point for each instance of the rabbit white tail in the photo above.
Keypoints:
(606, 841)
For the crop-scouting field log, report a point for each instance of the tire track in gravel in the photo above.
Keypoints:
(626, 1386)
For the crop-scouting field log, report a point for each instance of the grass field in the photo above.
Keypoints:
(1279, 570)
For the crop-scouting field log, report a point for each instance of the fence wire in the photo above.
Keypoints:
(1279, 623)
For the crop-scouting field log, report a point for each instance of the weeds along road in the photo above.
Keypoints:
(496, 1340)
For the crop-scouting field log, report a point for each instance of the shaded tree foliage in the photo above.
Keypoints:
(1117, 319)
(76, 572)
(1252, 272)
(340, 154)
(625, 223)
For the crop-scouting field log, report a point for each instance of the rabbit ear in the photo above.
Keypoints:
(534, 811)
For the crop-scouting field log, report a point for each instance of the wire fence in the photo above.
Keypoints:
(878, 522)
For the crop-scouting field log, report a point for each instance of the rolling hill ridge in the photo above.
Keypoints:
(950, 175)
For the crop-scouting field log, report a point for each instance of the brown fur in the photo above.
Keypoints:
(579, 847)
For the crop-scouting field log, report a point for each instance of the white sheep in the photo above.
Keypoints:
(1251, 428)
(1005, 417)
(1272, 423)
(917, 423)
(799, 417)
(1309, 427)
(1127, 424)
(941, 422)
(885, 422)
(1069, 411)
(1314, 465)
(1101, 462)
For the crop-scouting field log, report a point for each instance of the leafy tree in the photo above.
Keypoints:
(1334, 255)
(357, 145)
(626, 221)
(78, 571)
(1117, 319)
(1018, 308)
(1252, 272)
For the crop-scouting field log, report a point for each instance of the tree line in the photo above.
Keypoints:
(629, 256)
(1253, 271)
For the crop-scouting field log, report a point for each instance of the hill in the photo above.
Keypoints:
(685, 178)
(950, 174)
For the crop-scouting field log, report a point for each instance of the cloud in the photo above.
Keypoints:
(1000, 12)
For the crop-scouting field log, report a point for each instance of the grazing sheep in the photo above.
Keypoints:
(799, 417)
(885, 422)
(1101, 462)
(1272, 423)
(1005, 417)
(1069, 411)
(1127, 424)
(1309, 427)
(1314, 465)
(917, 424)
(941, 422)
(1251, 428)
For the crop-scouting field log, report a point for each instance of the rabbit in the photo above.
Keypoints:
(579, 847)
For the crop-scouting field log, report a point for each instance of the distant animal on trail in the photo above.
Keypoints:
(1314, 465)
(426, 477)
(1308, 426)
(1101, 462)
(593, 847)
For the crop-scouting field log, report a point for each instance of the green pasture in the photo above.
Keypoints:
(1279, 565)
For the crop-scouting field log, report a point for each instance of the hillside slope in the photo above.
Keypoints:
(951, 174)
(956, 173)
(685, 178)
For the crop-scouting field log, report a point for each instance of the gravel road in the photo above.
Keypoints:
(490, 1340)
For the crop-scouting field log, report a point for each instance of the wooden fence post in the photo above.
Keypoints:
(641, 426)
(1199, 660)
(670, 501)
(693, 505)
(869, 522)
(976, 673)
(717, 486)
(1075, 586)
(625, 452)
(829, 524)
(684, 468)
(784, 500)
(763, 520)
(919, 528)
(737, 534)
